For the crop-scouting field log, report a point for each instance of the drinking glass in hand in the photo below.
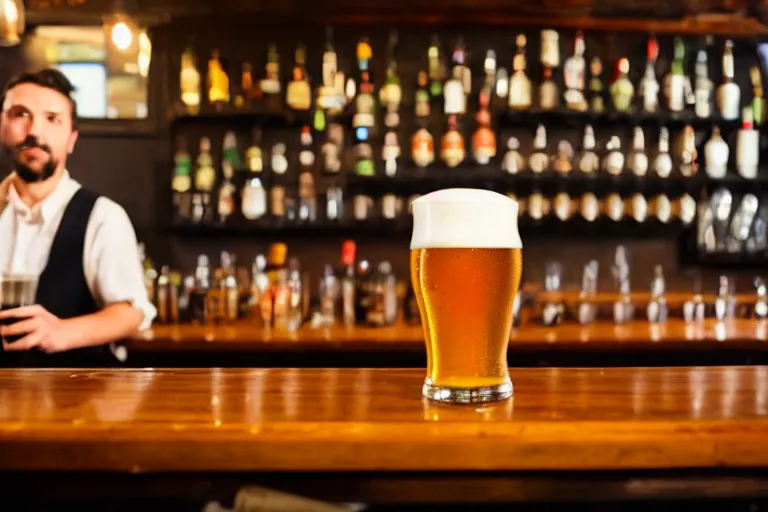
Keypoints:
(466, 265)
(15, 291)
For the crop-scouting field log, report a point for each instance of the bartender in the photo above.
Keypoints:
(90, 290)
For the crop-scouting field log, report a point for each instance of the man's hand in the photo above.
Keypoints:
(42, 329)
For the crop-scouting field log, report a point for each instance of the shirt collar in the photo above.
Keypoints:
(48, 207)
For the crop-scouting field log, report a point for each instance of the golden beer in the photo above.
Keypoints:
(466, 265)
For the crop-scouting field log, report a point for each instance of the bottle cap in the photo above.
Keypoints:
(348, 249)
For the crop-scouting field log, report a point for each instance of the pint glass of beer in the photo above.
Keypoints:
(16, 290)
(466, 264)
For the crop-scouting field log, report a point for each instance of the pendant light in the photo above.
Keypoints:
(121, 29)
(11, 22)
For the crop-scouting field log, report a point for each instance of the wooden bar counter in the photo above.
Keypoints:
(738, 341)
(372, 423)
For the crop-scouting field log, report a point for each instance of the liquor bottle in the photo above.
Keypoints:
(638, 160)
(614, 207)
(198, 303)
(725, 302)
(218, 82)
(253, 155)
(484, 138)
(225, 205)
(362, 207)
(205, 174)
(588, 162)
(278, 160)
(677, 83)
(747, 147)
(270, 84)
(181, 183)
(365, 102)
(587, 308)
(550, 48)
(549, 97)
(390, 152)
(248, 91)
(649, 85)
(390, 206)
(596, 87)
(452, 149)
(761, 304)
(364, 164)
(421, 97)
(331, 150)
(623, 310)
(638, 207)
(729, 93)
(436, 70)
(688, 153)
(163, 295)
(513, 160)
(229, 289)
(662, 208)
(574, 74)
(454, 91)
(704, 86)
(229, 151)
(563, 206)
(563, 160)
(330, 95)
(254, 202)
(489, 68)
(553, 311)
(391, 93)
(298, 94)
(538, 162)
(758, 102)
(519, 83)
(422, 147)
(658, 310)
(686, 208)
(662, 164)
(190, 82)
(622, 90)
(348, 283)
(589, 207)
(307, 196)
(614, 159)
(334, 203)
(716, 153)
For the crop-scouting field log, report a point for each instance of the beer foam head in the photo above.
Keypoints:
(465, 218)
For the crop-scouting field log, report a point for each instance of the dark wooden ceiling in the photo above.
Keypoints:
(584, 13)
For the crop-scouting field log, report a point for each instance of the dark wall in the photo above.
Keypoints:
(134, 170)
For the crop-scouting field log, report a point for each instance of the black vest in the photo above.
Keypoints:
(62, 288)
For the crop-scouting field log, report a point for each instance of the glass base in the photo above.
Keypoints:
(480, 395)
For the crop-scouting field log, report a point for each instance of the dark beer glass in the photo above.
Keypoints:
(16, 290)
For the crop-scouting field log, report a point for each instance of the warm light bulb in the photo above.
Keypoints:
(11, 11)
(122, 36)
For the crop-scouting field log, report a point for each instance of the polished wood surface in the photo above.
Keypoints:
(363, 419)
(673, 335)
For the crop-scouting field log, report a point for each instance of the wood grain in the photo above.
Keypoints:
(673, 335)
(359, 419)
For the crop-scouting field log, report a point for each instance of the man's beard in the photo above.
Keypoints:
(23, 171)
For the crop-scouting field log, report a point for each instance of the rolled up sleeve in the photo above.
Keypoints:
(111, 260)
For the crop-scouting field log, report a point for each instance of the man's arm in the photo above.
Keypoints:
(115, 276)
(114, 322)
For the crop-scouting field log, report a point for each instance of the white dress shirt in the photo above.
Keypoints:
(110, 256)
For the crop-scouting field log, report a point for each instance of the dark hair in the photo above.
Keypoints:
(49, 78)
